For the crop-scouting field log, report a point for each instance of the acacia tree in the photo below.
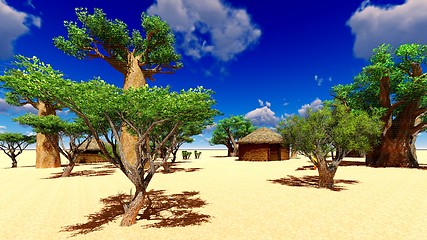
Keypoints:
(76, 132)
(136, 55)
(334, 130)
(228, 131)
(128, 108)
(13, 144)
(395, 86)
(20, 83)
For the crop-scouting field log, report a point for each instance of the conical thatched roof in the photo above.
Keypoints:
(262, 135)
(93, 145)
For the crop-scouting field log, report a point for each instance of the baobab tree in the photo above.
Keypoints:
(20, 82)
(395, 86)
(138, 56)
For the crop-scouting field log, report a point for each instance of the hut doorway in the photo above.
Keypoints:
(274, 152)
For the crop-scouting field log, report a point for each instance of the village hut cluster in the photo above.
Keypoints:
(263, 144)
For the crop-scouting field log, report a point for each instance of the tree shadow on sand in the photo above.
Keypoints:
(84, 173)
(177, 169)
(162, 210)
(344, 163)
(310, 182)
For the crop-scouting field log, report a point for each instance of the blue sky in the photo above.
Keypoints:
(263, 59)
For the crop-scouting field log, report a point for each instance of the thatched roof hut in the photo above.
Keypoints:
(91, 153)
(262, 144)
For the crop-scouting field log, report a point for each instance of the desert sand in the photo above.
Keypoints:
(215, 197)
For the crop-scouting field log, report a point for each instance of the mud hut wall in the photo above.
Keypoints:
(90, 158)
(285, 152)
(254, 152)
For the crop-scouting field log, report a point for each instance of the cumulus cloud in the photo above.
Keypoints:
(208, 27)
(263, 117)
(395, 25)
(13, 25)
(314, 106)
(7, 109)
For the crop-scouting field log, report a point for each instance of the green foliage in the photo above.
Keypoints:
(236, 126)
(15, 139)
(186, 154)
(53, 124)
(94, 35)
(197, 154)
(13, 144)
(398, 64)
(332, 129)
(23, 81)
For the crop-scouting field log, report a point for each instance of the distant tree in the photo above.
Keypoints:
(394, 86)
(229, 130)
(333, 130)
(128, 107)
(21, 83)
(13, 144)
(136, 55)
(76, 133)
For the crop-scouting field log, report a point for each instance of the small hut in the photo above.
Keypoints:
(263, 144)
(92, 153)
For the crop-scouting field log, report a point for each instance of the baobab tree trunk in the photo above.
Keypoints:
(393, 153)
(47, 153)
(134, 78)
(397, 146)
(68, 169)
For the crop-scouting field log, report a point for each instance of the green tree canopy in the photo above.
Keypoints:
(22, 83)
(97, 103)
(95, 36)
(75, 132)
(334, 130)
(394, 86)
(229, 130)
(13, 144)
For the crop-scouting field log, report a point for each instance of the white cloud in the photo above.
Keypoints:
(30, 3)
(261, 103)
(318, 79)
(208, 27)
(210, 128)
(395, 25)
(263, 117)
(7, 109)
(315, 105)
(13, 25)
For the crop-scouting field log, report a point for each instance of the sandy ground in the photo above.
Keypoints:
(215, 198)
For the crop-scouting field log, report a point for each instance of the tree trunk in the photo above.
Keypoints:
(134, 79)
(326, 175)
(231, 150)
(174, 155)
(47, 153)
(397, 146)
(68, 169)
(14, 162)
(393, 153)
(132, 210)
